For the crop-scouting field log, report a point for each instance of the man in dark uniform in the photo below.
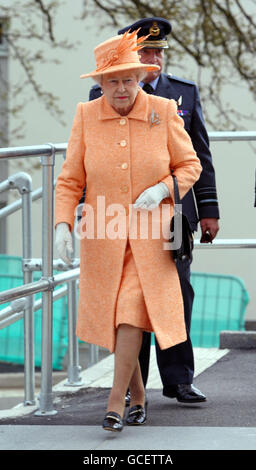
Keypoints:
(176, 364)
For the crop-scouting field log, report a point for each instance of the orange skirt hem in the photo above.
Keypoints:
(130, 307)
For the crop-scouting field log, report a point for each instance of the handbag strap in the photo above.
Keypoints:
(176, 190)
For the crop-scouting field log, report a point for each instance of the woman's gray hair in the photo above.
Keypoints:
(98, 79)
(140, 74)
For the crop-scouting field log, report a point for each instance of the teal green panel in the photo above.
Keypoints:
(12, 337)
(219, 304)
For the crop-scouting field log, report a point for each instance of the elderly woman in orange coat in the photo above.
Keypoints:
(123, 147)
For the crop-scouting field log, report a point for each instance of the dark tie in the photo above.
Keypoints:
(148, 89)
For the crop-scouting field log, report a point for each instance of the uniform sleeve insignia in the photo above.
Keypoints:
(182, 112)
(179, 101)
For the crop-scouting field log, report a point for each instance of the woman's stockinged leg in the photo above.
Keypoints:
(126, 371)
(136, 387)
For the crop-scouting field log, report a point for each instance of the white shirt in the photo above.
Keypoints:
(153, 83)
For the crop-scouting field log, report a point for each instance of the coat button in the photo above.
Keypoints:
(123, 143)
(124, 189)
(122, 121)
(124, 166)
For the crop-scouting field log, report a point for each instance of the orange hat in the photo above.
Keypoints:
(119, 53)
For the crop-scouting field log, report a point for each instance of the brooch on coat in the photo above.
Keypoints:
(154, 118)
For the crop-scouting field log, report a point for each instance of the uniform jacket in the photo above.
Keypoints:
(205, 193)
(117, 158)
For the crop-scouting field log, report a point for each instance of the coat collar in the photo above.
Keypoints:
(164, 87)
(139, 110)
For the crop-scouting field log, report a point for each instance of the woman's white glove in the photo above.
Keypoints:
(63, 241)
(151, 197)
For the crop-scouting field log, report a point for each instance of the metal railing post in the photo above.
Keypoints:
(29, 354)
(73, 372)
(74, 369)
(46, 394)
(93, 354)
(23, 183)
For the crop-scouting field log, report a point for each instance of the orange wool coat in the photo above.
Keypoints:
(118, 158)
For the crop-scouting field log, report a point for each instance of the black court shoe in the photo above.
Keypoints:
(128, 398)
(112, 422)
(137, 415)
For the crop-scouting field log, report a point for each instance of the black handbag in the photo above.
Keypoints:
(182, 235)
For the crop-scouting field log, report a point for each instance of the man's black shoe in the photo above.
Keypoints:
(185, 393)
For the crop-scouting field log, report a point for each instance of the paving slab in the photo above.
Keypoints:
(149, 438)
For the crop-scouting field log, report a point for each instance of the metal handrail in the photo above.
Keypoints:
(46, 149)
(227, 243)
(16, 205)
(32, 150)
(15, 311)
(38, 286)
(223, 136)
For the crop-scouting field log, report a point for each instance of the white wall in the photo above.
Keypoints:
(234, 162)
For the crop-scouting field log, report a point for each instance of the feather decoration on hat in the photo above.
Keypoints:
(126, 43)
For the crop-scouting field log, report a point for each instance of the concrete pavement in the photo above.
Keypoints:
(151, 438)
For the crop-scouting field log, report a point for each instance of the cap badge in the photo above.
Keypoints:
(154, 30)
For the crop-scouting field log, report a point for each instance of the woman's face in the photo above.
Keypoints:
(120, 89)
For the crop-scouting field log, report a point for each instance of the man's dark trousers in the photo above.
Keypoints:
(176, 364)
